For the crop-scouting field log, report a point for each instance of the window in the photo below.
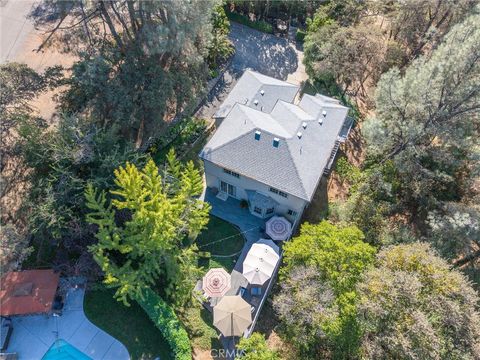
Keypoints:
(257, 210)
(269, 211)
(229, 172)
(291, 212)
(278, 192)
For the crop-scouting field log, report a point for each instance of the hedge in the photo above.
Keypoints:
(167, 322)
(244, 20)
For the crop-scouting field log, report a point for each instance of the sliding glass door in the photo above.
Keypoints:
(228, 188)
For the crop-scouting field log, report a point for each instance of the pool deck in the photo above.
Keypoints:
(32, 336)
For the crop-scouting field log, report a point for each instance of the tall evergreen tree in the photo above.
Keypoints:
(151, 244)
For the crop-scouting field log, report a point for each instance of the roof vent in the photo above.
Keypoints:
(299, 134)
(255, 102)
(304, 124)
(324, 113)
(262, 92)
(257, 135)
(276, 142)
(320, 121)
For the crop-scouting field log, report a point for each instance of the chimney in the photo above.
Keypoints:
(276, 142)
(304, 125)
(299, 134)
(257, 135)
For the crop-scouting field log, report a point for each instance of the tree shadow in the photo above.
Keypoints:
(265, 53)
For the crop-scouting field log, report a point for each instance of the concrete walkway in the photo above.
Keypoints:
(33, 335)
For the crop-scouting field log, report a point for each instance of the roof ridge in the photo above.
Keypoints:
(304, 192)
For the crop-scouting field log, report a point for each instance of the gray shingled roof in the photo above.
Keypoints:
(248, 91)
(297, 164)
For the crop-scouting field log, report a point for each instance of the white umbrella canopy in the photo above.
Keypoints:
(260, 261)
(278, 228)
(216, 282)
(232, 315)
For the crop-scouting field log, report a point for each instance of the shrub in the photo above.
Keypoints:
(244, 20)
(300, 35)
(167, 322)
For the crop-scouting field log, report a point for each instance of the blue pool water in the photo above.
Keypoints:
(61, 350)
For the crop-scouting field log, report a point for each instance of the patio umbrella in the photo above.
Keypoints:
(260, 261)
(216, 282)
(278, 228)
(232, 315)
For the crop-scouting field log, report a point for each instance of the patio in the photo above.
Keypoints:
(253, 228)
(33, 335)
(229, 210)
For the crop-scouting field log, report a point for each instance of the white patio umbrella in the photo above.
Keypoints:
(260, 261)
(278, 228)
(232, 315)
(216, 282)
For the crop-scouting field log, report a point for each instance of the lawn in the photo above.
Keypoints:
(223, 241)
(130, 325)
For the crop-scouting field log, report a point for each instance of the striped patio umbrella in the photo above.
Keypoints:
(260, 261)
(216, 282)
(278, 228)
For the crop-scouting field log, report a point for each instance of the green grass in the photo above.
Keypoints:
(130, 325)
(232, 243)
(198, 322)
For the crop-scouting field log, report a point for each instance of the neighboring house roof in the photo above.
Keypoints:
(244, 142)
(258, 92)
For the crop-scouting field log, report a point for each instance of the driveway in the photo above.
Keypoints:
(265, 53)
(33, 335)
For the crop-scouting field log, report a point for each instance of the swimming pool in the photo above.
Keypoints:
(61, 350)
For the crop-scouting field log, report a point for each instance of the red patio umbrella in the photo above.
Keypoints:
(216, 282)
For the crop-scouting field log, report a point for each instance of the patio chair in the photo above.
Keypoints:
(5, 333)
(256, 291)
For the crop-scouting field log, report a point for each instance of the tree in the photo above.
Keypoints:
(255, 348)
(14, 248)
(20, 85)
(141, 62)
(150, 246)
(412, 306)
(220, 46)
(338, 253)
(338, 256)
(305, 306)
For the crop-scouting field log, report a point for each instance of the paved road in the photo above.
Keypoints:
(265, 53)
(15, 27)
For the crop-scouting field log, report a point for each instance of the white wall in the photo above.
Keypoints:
(214, 174)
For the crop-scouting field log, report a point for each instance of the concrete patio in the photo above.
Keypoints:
(229, 210)
(33, 335)
(252, 228)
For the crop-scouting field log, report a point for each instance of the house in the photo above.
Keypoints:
(270, 149)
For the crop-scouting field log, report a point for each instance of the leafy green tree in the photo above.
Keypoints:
(220, 46)
(255, 348)
(338, 256)
(151, 245)
(412, 306)
(339, 253)
(141, 62)
(20, 85)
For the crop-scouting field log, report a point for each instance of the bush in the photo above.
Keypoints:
(167, 322)
(300, 35)
(244, 20)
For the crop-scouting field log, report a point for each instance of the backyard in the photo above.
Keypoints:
(130, 325)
